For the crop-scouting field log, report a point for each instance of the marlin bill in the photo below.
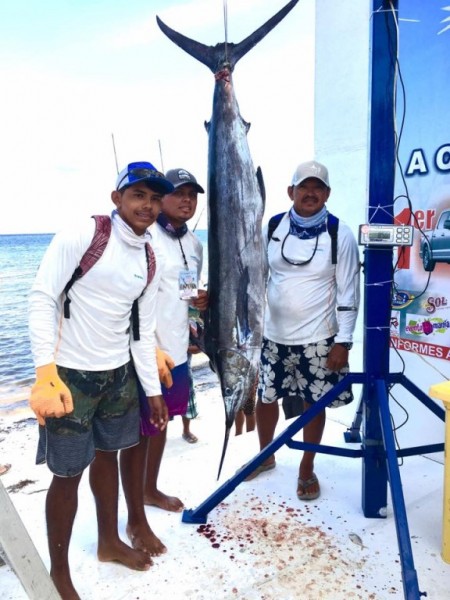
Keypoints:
(237, 272)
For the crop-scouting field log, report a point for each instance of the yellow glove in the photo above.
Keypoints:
(165, 364)
(50, 397)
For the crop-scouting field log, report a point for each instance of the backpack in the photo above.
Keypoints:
(332, 228)
(95, 250)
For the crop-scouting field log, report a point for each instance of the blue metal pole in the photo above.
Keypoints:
(410, 583)
(378, 261)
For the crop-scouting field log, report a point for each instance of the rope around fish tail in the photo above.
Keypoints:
(223, 74)
(224, 449)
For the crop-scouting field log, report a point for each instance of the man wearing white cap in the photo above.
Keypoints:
(85, 395)
(312, 305)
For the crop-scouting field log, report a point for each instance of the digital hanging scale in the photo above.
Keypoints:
(385, 235)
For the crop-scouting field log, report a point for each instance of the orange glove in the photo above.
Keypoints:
(50, 397)
(165, 364)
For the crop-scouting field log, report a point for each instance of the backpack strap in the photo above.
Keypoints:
(151, 268)
(96, 248)
(273, 224)
(332, 227)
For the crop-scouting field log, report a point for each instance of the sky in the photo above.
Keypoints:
(77, 74)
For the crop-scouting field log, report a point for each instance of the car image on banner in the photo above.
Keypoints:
(435, 244)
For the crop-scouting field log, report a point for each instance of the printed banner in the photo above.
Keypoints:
(420, 319)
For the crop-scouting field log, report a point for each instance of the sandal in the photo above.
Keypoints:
(261, 469)
(302, 488)
(190, 438)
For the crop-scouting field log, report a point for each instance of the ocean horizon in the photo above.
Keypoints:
(20, 256)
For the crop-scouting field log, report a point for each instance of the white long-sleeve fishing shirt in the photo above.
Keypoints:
(303, 302)
(172, 320)
(97, 336)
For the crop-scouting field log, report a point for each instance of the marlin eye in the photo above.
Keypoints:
(227, 391)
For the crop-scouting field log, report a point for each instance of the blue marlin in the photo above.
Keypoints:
(236, 197)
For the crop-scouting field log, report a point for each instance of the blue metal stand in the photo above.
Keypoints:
(378, 451)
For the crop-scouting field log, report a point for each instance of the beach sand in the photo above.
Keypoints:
(261, 542)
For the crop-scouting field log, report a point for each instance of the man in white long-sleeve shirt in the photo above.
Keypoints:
(85, 395)
(183, 260)
(311, 310)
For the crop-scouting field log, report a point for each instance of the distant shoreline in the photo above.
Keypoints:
(16, 234)
(15, 406)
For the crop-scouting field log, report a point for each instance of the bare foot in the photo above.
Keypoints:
(170, 503)
(120, 552)
(143, 538)
(4, 469)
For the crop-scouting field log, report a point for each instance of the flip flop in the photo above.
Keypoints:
(261, 469)
(190, 438)
(303, 486)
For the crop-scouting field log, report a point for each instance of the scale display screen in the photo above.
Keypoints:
(385, 235)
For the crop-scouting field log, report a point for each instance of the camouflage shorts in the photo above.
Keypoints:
(105, 417)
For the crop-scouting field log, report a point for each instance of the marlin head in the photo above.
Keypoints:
(238, 376)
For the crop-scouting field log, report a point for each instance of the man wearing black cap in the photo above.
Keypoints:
(182, 254)
(85, 395)
(179, 289)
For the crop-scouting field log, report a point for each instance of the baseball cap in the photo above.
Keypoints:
(310, 169)
(146, 172)
(179, 177)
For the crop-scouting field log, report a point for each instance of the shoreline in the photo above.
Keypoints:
(15, 405)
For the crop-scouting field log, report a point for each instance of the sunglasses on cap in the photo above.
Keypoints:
(138, 174)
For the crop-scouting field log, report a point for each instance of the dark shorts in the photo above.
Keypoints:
(299, 371)
(105, 417)
(176, 398)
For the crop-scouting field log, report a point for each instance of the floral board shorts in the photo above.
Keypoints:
(299, 371)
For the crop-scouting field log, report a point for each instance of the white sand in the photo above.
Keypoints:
(261, 542)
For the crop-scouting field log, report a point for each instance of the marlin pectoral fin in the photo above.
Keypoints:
(262, 187)
(242, 312)
(247, 125)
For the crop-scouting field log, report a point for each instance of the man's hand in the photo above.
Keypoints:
(159, 415)
(165, 365)
(337, 358)
(201, 302)
(50, 397)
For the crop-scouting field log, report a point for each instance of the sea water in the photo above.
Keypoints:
(20, 256)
